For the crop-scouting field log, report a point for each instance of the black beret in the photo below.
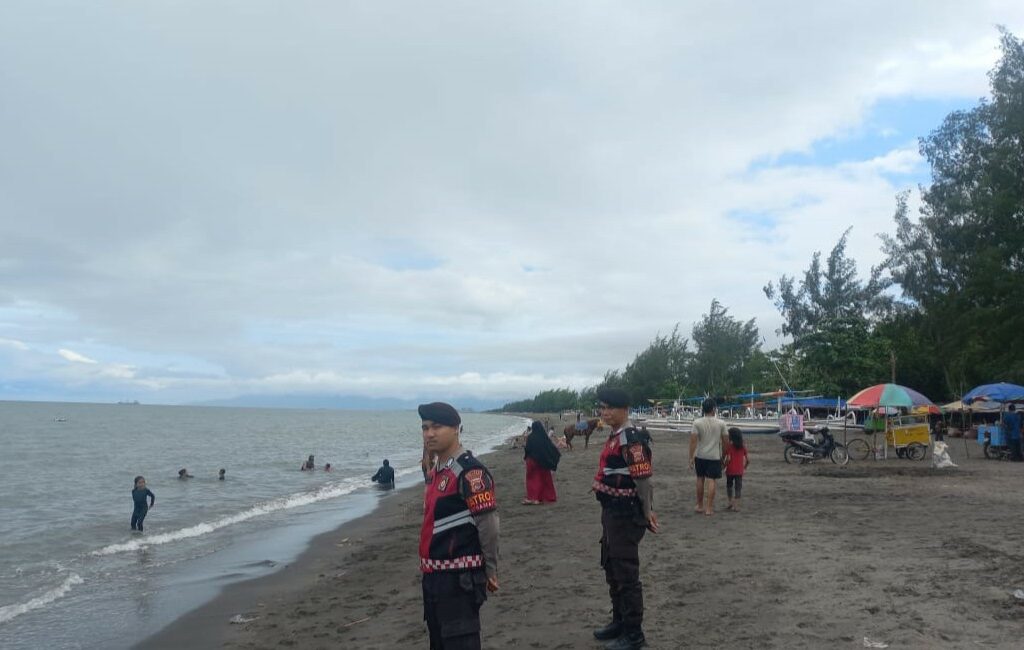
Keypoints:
(616, 398)
(440, 413)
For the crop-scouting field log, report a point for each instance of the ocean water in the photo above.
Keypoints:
(72, 574)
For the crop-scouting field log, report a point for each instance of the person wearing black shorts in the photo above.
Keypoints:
(707, 469)
(707, 442)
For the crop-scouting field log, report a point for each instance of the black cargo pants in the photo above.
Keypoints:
(451, 608)
(620, 557)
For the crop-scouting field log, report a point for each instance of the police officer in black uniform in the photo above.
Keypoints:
(623, 487)
(459, 536)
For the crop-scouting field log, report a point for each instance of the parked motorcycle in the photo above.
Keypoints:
(800, 450)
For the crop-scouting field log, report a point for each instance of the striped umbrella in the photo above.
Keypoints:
(892, 395)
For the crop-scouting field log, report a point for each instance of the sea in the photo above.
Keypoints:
(73, 574)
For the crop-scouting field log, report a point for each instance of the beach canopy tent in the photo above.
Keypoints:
(892, 395)
(1001, 392)
(813, 403)
(975, 407)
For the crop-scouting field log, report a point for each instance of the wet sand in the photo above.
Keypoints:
(820, 557)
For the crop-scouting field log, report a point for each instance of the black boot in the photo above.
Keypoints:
(630, 640)
(611, 631)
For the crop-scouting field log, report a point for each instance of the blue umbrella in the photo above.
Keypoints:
(1001, 392)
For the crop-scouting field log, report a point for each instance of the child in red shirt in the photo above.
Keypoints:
(736, 462)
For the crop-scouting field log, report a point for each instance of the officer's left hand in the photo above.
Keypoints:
(652, 523)
(492, 584)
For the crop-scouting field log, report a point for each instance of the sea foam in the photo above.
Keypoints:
(325, 492)
(8, 612)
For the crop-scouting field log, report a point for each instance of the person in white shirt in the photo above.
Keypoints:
(710, 437)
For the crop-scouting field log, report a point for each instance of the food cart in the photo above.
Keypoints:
(909, 435)
(899, 416)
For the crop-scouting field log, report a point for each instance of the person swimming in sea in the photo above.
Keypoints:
(183, 474)
(309, 465)
(140, 493)
(385, 476)
(327, 467)
(220, 474)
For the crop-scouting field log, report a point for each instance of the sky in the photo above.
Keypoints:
(200, 200)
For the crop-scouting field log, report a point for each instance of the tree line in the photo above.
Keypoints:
(943, 312)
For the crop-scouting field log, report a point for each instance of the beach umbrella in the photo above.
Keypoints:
(1001, 392)
(892, 395)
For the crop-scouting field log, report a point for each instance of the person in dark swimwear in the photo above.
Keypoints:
(385, 476)
(309, 465)
(183, 474)
(139, 495)
(220, 474)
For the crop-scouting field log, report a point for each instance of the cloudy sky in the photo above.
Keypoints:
(206, 199)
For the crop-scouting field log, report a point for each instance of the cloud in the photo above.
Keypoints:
(74, 357)
(13, 344)
(393, 198)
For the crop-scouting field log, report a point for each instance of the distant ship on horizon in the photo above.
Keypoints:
(133, 402)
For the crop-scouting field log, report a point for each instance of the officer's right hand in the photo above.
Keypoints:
(492, 584)
(652, 523)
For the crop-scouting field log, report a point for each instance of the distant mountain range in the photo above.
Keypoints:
(351, 402)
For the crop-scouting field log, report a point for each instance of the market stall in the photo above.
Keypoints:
(899, 415)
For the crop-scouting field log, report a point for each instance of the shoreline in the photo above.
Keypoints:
(209, 626)
(822, 556)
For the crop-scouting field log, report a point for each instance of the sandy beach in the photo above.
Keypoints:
(889, 552)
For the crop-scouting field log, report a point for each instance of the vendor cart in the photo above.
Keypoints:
(909, 435)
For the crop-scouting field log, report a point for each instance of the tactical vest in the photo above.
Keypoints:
(613, 483)
(448, 538)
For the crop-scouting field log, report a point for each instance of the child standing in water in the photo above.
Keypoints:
(737, 462)
(139, 494)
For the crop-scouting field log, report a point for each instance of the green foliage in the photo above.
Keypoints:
(961, 266)
(834, 294)
(830, 315)
(659, 372)
(726, 348)
(548, 401)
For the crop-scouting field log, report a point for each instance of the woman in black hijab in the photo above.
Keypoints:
(541, 459)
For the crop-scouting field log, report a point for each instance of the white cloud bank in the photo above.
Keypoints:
(407, 198)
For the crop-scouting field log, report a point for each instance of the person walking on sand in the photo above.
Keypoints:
(541, 457)
(459, 536)
(139, 495)
(707, 442)
(736, 464)
(623, 488)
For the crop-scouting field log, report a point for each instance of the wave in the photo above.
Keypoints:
(11, 611)
(330, 491)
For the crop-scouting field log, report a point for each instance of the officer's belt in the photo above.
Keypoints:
(611, 491)
(428, 564)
